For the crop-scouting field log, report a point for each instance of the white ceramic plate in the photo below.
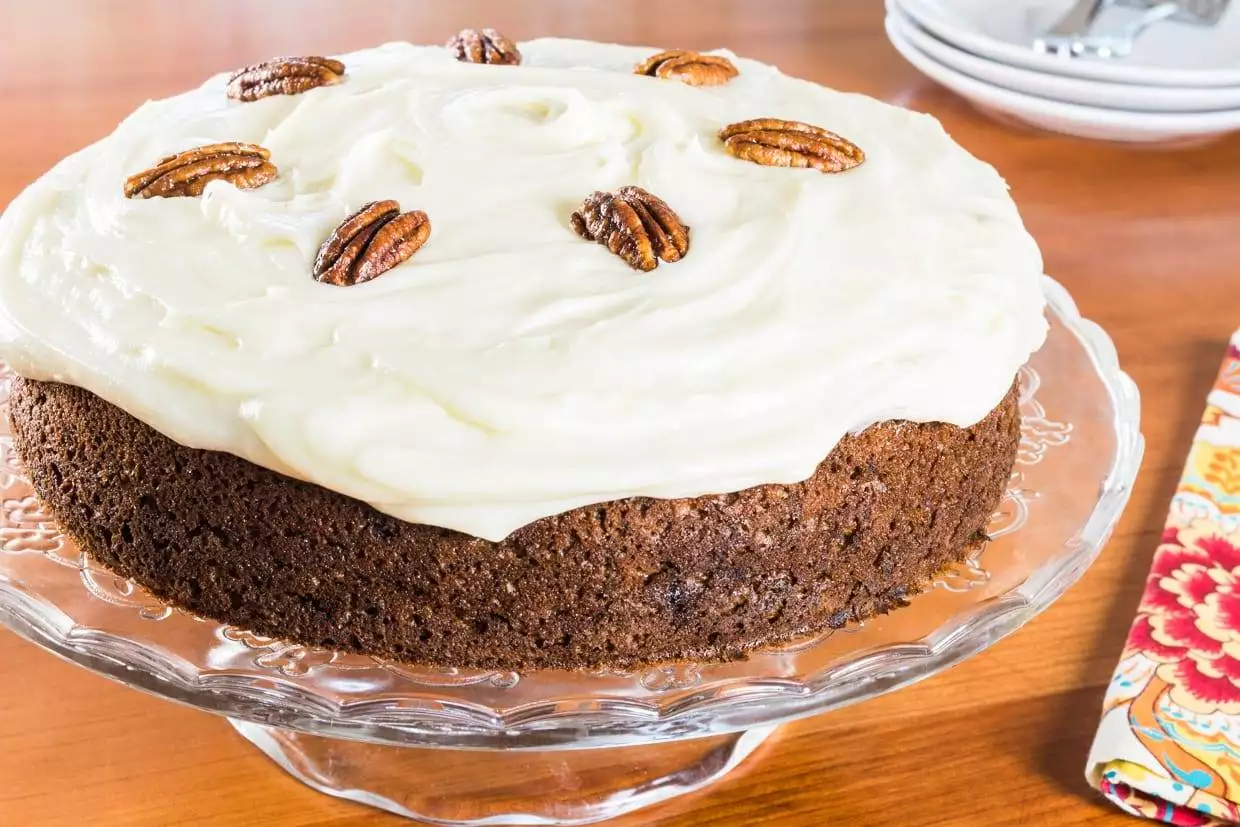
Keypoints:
(1168, 54)
(1061, 87)
(1068, 118)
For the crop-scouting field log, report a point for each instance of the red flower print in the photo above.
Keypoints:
(1190, 618)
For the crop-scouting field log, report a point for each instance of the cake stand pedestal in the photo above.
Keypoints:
(467, 787)
(475, 747)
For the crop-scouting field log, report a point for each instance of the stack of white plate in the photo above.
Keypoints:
(1180, 81)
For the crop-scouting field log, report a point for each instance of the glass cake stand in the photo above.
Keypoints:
(466, 747)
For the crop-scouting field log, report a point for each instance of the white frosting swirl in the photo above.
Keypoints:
(511, 370)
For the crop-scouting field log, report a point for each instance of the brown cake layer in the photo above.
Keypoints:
(627, 582)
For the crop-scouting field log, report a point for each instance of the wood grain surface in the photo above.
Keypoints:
(1147, 241)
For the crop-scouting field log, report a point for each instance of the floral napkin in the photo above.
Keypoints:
(1168, 747)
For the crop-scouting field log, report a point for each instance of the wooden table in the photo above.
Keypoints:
(1147, 241)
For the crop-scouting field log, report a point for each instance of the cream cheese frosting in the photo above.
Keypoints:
(512, 370)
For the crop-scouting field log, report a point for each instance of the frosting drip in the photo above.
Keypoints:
(512, 370)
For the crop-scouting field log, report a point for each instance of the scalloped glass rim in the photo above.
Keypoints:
(116, 631)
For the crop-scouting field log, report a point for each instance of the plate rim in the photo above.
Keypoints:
(933, 19)
(1155, 125)
(1005, 75)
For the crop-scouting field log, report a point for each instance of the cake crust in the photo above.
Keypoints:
(618, 584)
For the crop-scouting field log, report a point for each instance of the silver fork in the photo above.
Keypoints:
(1072, 36)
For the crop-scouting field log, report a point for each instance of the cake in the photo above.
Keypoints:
(556, 354)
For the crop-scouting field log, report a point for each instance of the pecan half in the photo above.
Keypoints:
(689, 67)
(635, 225)
(187, 173)
(777, 143)
(486, 46)
(284, 76)
(370, 242)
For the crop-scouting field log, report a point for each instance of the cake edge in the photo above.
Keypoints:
(621, 584)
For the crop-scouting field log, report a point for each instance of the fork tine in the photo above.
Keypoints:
(1197, 12)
